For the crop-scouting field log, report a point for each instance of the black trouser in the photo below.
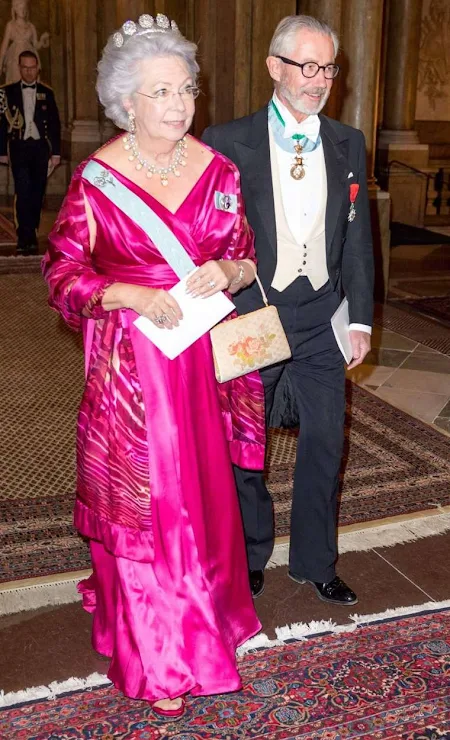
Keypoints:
(29, 164)
(317, 376)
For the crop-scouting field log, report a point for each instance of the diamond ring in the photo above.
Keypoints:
(212, 284)
(161, 319)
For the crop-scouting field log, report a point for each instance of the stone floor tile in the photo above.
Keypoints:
(442, 424)
(427, 362)
(421, 405)
(380, 356)
(425, 562)
(377, 585)
(366, 375)
(383, 338)
(419, 380)
(445, 412)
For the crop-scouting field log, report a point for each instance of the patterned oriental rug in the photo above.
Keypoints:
(386, 680)
(394, 464)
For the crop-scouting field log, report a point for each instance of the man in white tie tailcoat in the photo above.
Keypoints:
(304, 184)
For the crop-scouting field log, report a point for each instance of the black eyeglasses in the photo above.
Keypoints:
(310, 69)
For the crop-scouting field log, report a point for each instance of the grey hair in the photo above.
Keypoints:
(285, 32)
(119, 74)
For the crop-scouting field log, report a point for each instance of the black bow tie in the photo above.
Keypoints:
(28, 87)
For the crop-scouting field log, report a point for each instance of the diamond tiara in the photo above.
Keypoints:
(146, 24)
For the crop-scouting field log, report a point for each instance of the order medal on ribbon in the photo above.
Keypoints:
(354, 187)
(297, 169)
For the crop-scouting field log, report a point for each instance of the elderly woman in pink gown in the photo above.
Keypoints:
(157, 437)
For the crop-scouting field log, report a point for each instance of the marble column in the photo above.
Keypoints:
(398, 141)
(329, 11)
(362, 22)
(402, 66)
(107, 23)
(361, 43)
(57, 183)
(84, 131)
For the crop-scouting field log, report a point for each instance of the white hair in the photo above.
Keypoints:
(119, 69)
(284, 37)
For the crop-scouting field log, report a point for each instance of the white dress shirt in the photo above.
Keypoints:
(29, 106)
(299, 197)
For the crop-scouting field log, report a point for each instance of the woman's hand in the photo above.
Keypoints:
(156, 305)
(210, 278)
(214, 276)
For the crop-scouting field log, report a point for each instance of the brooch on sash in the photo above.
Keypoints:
(225, 202)
(354, 187)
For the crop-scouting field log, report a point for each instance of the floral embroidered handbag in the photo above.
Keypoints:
(249, 342)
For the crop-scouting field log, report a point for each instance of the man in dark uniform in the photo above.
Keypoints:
(30, 140)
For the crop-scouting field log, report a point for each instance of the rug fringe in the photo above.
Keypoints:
(400, 612)
(385, 535)
(258, 641)
(33, 596)
(56, 688)
(296, 631)
(301, 630)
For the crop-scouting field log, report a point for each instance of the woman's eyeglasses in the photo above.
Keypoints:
(163, 95)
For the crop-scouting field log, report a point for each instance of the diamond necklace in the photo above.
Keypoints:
(179, 158)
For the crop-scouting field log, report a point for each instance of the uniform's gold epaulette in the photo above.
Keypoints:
(44, 84)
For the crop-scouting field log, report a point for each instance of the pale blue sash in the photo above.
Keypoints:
(134, 207)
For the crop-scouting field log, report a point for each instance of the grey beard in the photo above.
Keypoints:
(298, 106)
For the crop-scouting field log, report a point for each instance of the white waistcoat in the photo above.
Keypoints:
(307, 257)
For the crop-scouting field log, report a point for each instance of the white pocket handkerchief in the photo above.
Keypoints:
(350, 174)
(225, 201)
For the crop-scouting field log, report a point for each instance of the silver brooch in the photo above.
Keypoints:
(225, 202)
(105, 178)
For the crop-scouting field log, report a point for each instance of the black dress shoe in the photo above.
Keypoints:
(333, 592)
(256, 578)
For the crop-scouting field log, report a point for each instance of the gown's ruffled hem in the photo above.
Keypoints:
(248, 455)
(119, 540)
(89, 601)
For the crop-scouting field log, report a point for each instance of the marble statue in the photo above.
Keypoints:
(20, 35)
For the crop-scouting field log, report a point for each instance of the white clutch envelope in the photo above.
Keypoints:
(340, 325)
(199, 316)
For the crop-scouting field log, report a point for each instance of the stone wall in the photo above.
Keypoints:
(433, 88)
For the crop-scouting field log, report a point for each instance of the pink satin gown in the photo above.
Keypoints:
(156, 495)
